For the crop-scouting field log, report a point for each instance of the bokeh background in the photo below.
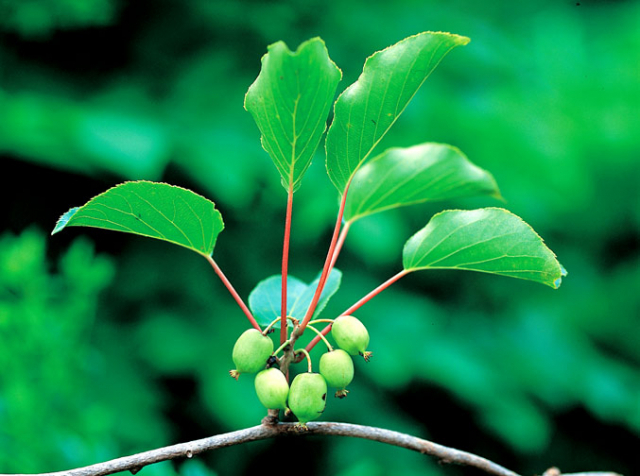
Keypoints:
(112, 344)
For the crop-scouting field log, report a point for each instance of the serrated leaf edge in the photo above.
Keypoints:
(463, 40)
(64, 220)
(294, 183)
(561, 269)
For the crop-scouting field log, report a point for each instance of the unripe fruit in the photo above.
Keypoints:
(337, 369)
(307, 396)
(250, 352)
(351, 335)
(272, 388)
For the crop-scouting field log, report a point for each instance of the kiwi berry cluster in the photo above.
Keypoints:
(305, 397)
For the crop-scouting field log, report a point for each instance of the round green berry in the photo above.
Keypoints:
(307, 396)
(351, 335)
(337, 369)
(272, 388)
(250, 352)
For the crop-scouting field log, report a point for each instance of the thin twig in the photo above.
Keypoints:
(556, 472)
(265, 431)
(262, 432)
(444, 454)
(590, 473)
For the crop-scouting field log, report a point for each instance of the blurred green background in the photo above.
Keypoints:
(112, 344)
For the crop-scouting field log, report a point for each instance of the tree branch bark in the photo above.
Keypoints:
(444, 454)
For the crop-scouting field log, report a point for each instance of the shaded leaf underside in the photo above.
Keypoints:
(265, 299)
(406, 176)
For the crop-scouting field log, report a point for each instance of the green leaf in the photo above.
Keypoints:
(290, 101)
(156, 210)
(366, 110)
(265, 299)
(426, 172)
(490, 240)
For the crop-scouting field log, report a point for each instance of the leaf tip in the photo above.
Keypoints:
(464, 40)
(558, 281)
(64, 220)
(498, 195)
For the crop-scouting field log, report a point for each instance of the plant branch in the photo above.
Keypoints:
(233, 292)
(285, 266)
(444, 454)
(556, 472)
(359, 304)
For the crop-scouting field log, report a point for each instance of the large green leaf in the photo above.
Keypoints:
(290, 102)
(265, 299)
(491, 240)
(156, 210)
(421, 173)
(366, 110)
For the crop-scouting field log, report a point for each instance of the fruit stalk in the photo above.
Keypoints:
(321, 336)
(308, 357)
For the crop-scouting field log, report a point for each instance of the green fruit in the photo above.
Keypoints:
(337, 369)
(307, 396)
(351, 335)
(272, 388)
(250, 352)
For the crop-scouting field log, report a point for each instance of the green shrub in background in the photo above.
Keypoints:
(65, 397)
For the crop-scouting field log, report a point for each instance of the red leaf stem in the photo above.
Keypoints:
(359, 304)
(234, 293)
(328, 264)
(285, 266)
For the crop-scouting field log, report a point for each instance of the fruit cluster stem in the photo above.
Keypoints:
(281, 348)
